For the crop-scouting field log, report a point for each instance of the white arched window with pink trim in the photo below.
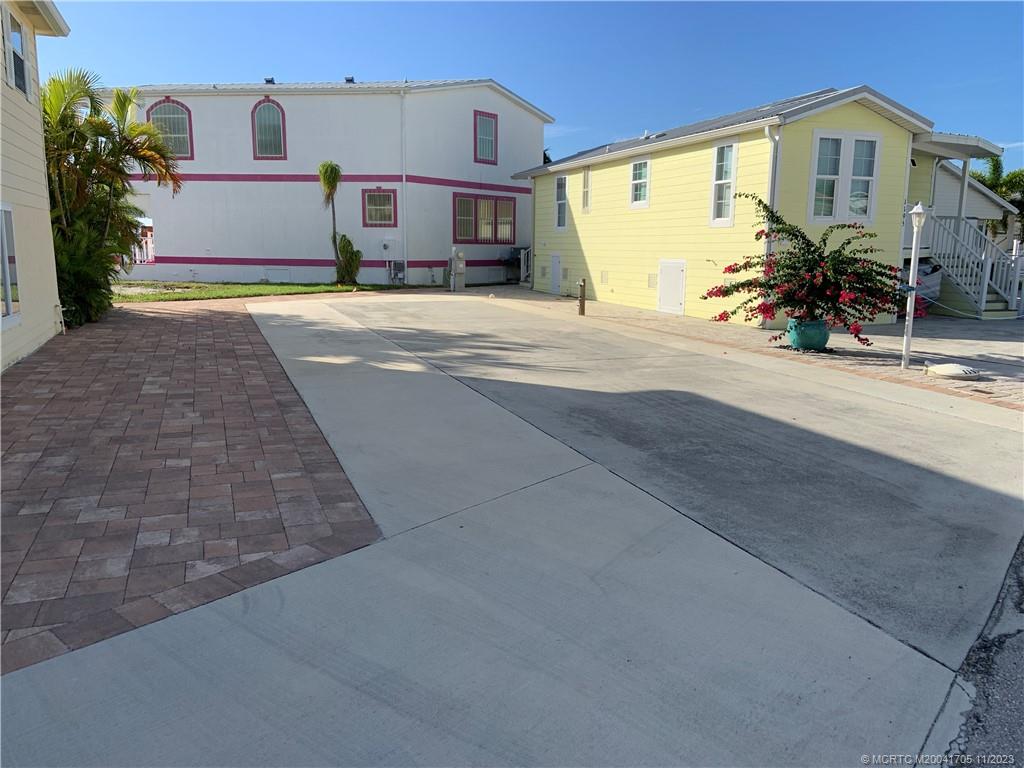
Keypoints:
(269, 133)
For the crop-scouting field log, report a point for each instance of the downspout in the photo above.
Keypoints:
(774, 165)
(774, 139)
(405, 199)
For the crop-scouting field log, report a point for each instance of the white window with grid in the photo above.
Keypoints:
(172, 120)
(723, 179)
(506, 220)
(640, 183)
(486, 131)
(465, 218)
(561, 201)
(586, 189)
(845, 177)
(485, 219)
(268, 125)
(379, 208)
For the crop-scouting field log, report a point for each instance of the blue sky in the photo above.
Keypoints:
(605, 70)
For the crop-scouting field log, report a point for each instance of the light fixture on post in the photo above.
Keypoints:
(917, 218)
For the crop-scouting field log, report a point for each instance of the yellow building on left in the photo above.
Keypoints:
(31, 309)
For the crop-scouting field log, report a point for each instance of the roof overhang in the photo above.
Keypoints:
(955, 146)
(866, 97)
(46, 19)
(646, 149)
(261, 89)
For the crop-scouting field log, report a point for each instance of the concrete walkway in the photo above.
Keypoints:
(601, 549)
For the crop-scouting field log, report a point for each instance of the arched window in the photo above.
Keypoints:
(174, 121)
(268, 131)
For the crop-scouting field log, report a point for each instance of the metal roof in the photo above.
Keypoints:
(776, 112)
(379, 86)
(978, 187)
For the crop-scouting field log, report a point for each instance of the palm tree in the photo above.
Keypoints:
(330, 178)
(91, 152)
(1009, 186)
(130, 146)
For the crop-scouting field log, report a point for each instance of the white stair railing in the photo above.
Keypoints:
(961, 263)
(1002, 270)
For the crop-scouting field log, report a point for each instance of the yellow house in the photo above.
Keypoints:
(31, 309)
(651, 222)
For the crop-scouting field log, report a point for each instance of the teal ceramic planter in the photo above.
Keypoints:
(807, 334)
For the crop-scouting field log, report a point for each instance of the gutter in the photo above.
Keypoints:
(58, 26)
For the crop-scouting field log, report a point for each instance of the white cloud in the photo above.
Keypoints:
(1011, 144)
(557, 131)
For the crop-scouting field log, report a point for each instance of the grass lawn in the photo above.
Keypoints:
(146, 290)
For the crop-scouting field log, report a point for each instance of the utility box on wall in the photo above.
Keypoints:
(457, 271)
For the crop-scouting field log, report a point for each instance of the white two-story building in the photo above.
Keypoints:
(426, 167)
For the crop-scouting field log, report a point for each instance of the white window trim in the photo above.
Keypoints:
(566, 201)
(9, 53)
(642, 203)
(728, 220)
(842, 200)
(13, 318)
(588, 176)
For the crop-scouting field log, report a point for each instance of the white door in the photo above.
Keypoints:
(671, 285)
(556, 273)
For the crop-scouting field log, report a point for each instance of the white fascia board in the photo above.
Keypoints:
(839, 99)
(56, 25)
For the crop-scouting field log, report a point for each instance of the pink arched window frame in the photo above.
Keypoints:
(188, 114)
(284, 130)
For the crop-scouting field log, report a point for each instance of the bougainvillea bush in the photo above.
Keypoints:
(808, 279)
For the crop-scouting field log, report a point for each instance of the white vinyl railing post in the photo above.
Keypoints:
(1018, 294)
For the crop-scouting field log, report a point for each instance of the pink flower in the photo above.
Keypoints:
(845, 297)
(721, 317)
(856, 328)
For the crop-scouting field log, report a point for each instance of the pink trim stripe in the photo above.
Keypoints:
(348, 178)
(469, 184)
(256, 262)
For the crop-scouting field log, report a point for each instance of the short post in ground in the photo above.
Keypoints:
(917, 217)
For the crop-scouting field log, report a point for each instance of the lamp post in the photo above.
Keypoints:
(917, 217)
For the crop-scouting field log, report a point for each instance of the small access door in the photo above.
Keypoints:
(671, 285)
(556, 274)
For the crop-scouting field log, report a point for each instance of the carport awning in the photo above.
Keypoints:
(956, 146)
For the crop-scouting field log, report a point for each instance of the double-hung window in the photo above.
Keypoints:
(11, 303)
(862, 177)
(561, 201)
(483, 219)
(485, 137)
(845, 177)
(639, 185)
(380, 207)
(722, 185)
(15, 44)
(586, 189)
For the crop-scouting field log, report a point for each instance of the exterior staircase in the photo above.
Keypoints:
(979, 279)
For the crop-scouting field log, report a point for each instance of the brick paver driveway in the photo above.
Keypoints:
(154, 462)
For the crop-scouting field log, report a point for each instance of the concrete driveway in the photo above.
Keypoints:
(603, 547)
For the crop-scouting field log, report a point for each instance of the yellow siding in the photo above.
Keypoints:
(23, 188)
(920, 187)
(893, 157)
(627, 243)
